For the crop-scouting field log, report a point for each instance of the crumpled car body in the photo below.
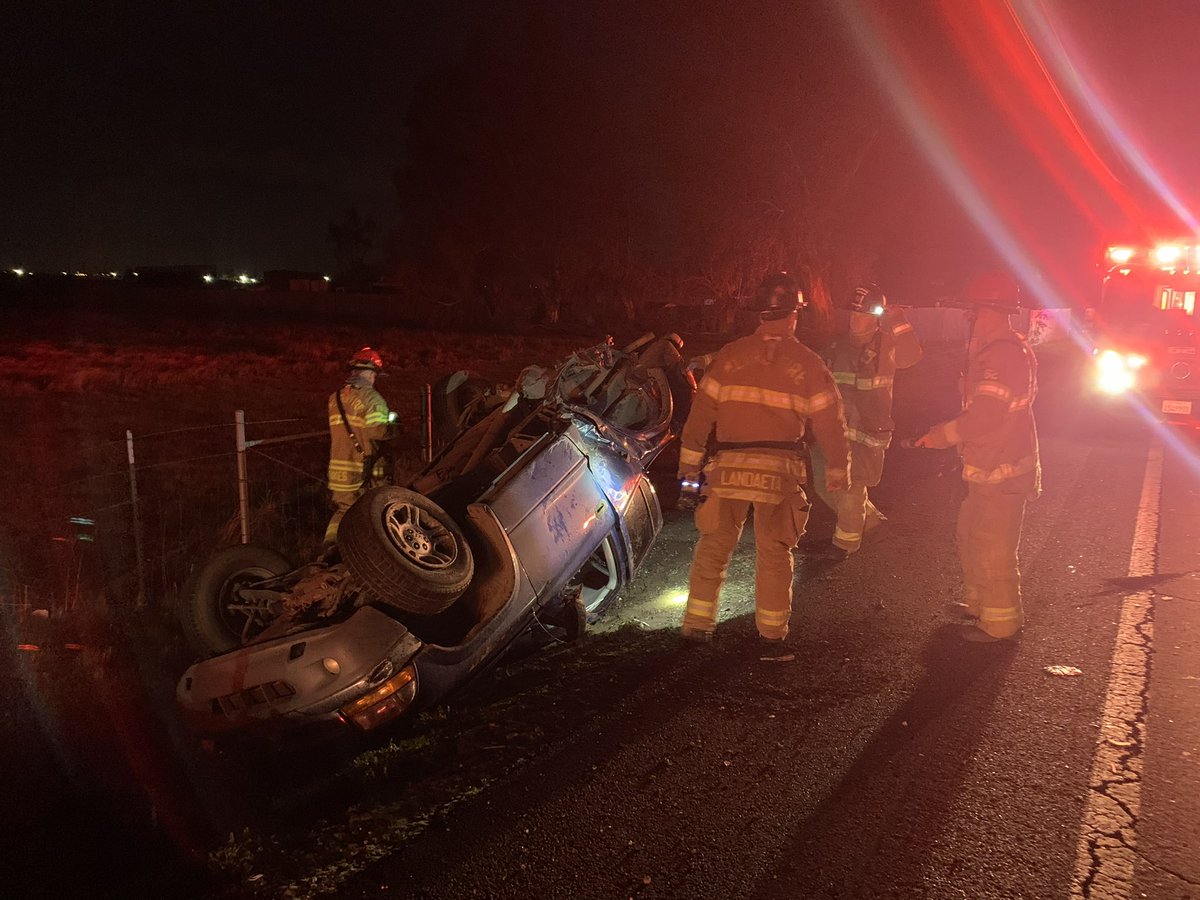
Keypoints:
(556, 511)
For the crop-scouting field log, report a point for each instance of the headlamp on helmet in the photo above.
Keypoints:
(868, 299)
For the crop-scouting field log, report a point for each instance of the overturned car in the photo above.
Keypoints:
(537, 512)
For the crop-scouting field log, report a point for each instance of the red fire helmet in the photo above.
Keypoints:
(366, 358)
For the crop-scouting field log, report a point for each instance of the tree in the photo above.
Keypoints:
(577, 159)
(353, 239)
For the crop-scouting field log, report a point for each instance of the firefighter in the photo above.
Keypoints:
(864, 361)
(997, 439)
(749, 416)
(360, 425)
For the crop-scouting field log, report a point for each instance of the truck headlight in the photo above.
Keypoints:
(1115, 372)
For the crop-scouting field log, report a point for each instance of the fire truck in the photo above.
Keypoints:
(1143, 330)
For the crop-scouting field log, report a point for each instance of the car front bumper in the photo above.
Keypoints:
(305, 679)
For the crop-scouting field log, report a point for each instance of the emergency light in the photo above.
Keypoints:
(1116, 372)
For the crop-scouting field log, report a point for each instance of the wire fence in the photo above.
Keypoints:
(129, 530)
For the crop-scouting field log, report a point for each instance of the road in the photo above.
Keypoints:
(887, 759)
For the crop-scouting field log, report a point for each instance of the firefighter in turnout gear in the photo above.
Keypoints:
(997, 439)
(360, 425)
(864, 360)
(747, 421)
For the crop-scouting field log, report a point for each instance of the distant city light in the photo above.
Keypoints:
(81, 274)
(208, 279)
(326, 277)
(20, 272)
(245, 279)
(112, 274)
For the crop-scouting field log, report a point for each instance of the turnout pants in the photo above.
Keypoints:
(855, 511)
(342, 501)
(989, 530)
(375, 471)
(777, 529)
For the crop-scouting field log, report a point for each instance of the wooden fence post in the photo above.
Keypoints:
(427, 424)
(139, 552)
(239, 421)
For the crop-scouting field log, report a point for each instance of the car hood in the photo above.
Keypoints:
(308, 675)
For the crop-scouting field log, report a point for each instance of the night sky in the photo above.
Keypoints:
(203, 133)
(233, 134)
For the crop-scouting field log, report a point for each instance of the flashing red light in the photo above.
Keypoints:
(1168, 254)
(1120, 255)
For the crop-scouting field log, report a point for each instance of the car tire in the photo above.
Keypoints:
(406, 551)
(453, 400)
(209, 622)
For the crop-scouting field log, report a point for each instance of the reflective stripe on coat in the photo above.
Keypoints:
(764, 388)
(367, 414)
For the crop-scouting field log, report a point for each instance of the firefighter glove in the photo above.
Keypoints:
(690, 484)
(939, 437)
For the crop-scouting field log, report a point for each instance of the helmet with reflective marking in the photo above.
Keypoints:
(778, 294)
(868, 298)
(366, 358)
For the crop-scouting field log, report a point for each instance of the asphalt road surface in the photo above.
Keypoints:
(887, 758)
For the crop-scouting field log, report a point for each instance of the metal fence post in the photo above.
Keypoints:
(427, 424)
(137, 522)
(239, 421)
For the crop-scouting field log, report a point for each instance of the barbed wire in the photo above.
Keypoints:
(190, 459)
(313, 422)
(113, 474)
(280, 462)
(124, 470)
(31, 571)
(187, 428)
(151, 434)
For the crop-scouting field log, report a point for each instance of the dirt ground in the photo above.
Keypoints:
(92, 752)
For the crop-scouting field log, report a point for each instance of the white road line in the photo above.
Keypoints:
(1104, 862)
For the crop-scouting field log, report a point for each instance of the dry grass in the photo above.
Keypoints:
(102, 355)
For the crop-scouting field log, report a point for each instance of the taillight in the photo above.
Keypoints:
(385, 702)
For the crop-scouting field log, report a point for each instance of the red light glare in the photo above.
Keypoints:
(1166, 254)
(1120, 255)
